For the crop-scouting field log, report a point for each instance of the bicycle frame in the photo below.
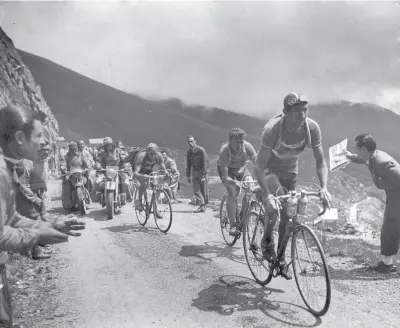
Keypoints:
(248, 199)
(293, 229)
(289, 228)
(154, 185)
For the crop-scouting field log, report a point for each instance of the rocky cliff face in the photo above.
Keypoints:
(17, 83)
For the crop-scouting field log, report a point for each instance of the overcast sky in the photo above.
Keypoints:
(241, 56)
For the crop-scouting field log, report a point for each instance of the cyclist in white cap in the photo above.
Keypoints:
(284, 138)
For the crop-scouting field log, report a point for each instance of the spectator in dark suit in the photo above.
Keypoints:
(385, 171)
(196, 171)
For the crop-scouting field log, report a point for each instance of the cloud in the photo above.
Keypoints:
(243, 56)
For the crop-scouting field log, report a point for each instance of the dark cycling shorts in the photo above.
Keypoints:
(147, 172)
(287, 180)
(234, 174)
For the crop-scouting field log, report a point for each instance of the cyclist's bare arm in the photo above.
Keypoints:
(253, 154)
(163, 167)
(225, 176)
(137, 170)
(322, 167)
(262, 159)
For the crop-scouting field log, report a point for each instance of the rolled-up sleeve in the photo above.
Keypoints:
(17, 233)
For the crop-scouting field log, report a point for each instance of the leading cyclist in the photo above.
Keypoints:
(284, 138)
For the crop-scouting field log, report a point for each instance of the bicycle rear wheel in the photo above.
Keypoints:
(162, 211)
(309, 265)
(142, 214)
(253, 230)
(225, 224)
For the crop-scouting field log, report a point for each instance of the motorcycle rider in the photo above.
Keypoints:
(85, 152)
(82, 149)
(74, 160)
(145, 163)
(114, 156)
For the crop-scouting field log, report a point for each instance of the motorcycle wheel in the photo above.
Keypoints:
(110, 205)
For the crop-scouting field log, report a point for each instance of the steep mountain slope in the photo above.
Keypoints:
(86, 108)
(18, 84)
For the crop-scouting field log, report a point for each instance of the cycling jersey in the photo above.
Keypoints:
(287, 146)
(147, 165)
(238, 161)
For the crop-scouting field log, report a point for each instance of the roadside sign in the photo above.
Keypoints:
(96, 141)
(60, 139)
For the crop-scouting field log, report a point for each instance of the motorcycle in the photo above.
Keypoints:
(80, 196)
(111, 197)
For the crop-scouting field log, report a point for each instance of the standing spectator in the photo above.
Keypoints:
(82, 149)
(39, 180)
(385, 171)
(173, 179)
(63, 152)
(61, 157)
(51, 158)
(21, 132)
(196, 171)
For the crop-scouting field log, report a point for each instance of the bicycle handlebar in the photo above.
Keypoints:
(325, 202)
(119, 171)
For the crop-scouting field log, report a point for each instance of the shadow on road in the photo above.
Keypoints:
(58, 210)
(130, 228)
(99, 214)
(364, 274)
(235, 294)
(211, 250)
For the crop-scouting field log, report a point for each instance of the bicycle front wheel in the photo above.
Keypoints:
(162, 211)
(310, 270)
(253, 231)
(142, 214)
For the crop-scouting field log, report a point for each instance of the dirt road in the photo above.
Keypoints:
(119, 274)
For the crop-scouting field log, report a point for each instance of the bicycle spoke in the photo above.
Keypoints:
(253, 231)
(225, 224)
(162, 210)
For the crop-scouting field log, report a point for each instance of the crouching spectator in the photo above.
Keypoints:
(21, 133)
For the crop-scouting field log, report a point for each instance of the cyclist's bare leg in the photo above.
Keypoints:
(141, 188)
(273, 185)
(268, 241)
(231, 204)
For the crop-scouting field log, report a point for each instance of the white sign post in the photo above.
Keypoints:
(337, 157)
(96, 141)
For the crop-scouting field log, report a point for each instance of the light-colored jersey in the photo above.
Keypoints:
(286, 147)
(236, 161)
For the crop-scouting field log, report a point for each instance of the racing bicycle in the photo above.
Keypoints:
(248, 204)
(159, 205)
(307, 254)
